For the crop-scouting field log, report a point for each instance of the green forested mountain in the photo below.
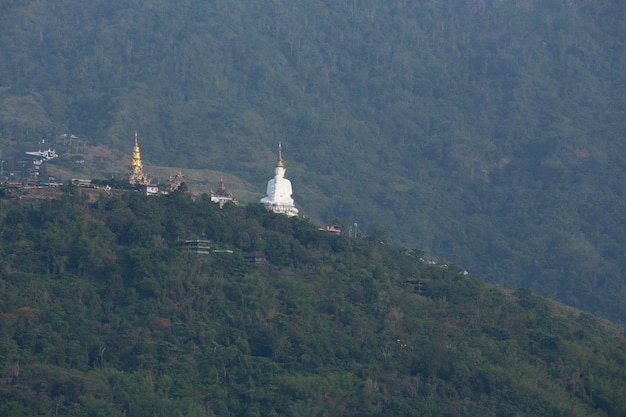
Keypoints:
(487, 133)
(104, 311)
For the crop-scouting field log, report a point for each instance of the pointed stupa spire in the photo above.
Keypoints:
(136, 174)
(280, 163)
(136, 164)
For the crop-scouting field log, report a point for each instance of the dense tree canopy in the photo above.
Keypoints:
(106, 311)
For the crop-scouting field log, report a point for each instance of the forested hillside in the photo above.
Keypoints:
(488, 134)
(105, 311)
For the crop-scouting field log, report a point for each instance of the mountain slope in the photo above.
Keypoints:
(105, 312)
(484, 135)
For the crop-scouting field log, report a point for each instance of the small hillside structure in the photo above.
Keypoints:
(256, 257)
(222, 196)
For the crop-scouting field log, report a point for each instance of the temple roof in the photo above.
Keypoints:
(222, 191)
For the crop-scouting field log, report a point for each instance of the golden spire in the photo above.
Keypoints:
(279, 163)
(136, 174)
(136, 166)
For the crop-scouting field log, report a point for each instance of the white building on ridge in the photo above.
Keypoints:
(278, 198)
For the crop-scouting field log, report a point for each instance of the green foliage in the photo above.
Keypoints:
(104, 311)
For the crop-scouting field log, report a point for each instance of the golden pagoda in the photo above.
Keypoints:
(136, 176)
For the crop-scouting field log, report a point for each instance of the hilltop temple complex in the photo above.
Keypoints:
(278, 198)
(278, 194)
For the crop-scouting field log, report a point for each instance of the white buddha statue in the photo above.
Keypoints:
(278, 198)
